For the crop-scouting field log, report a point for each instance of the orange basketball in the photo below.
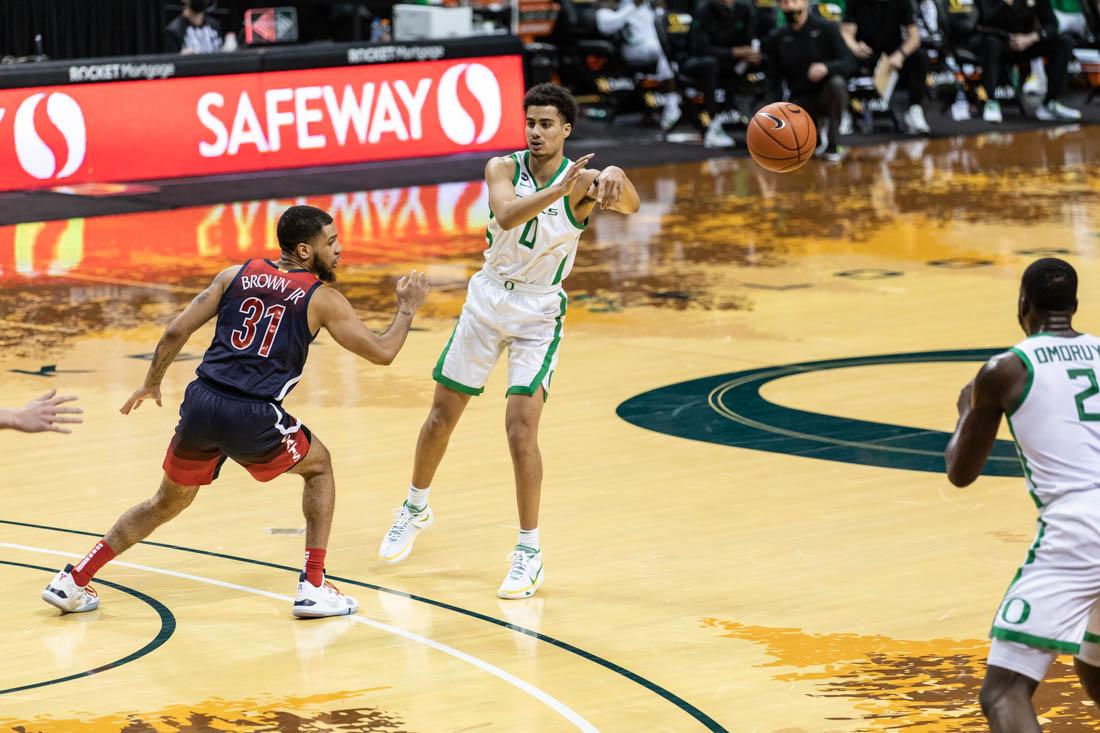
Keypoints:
(782, 137)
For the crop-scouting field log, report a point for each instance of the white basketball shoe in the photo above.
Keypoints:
(398, 542)
(319, 601)
(525, 576)
(63, 593)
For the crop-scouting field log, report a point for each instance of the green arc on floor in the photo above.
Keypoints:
(728, 409)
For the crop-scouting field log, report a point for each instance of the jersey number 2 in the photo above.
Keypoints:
(253, 308)
(1080, 397)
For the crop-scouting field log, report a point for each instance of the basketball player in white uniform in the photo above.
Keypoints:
(1047, 387)
(539, 205)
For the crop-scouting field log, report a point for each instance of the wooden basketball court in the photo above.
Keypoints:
(745, 522)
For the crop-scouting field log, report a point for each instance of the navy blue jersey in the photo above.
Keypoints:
(262, 338)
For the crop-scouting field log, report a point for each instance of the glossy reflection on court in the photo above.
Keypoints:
(747, 581)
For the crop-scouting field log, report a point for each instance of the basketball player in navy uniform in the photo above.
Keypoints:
(268, 314)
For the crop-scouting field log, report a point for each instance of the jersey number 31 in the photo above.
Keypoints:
(254, 310)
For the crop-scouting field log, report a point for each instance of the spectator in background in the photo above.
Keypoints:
(1017, 31)
(725, 30)
(876, 28)
(193, 31)
(809, 56)
(635, 22)
(723, 40)
(767, 17)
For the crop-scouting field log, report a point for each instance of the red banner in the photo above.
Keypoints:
(376, 227)
(222, 124)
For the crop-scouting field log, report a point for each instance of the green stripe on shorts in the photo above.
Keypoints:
(437, 373)
(1039, 642)
(537, 381)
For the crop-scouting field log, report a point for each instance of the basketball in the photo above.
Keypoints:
(782, 137)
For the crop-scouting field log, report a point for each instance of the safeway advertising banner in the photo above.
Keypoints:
(137, 130)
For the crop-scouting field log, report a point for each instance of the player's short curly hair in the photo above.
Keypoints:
(1050, 284)
(300, 224)
(552, 95)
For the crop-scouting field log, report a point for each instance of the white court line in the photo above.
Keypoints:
(553, 703)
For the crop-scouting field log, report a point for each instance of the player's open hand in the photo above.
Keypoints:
(412, 290)
(574, 173)
(609, 186)
(139, 396)
(46, 413)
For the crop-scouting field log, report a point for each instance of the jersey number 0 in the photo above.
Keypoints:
(530, 231)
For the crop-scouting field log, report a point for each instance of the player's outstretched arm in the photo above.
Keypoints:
(199, 311)
(981, 403)
(42, 414)
(608, 189)
(512, 211)
(614, 191)
(335, 313)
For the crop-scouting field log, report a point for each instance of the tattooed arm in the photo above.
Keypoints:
(202, 309)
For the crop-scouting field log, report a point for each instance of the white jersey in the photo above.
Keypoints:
(542, 251)
(1056, 423)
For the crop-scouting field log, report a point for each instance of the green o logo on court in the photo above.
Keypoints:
(728, 409)
(1015, 611)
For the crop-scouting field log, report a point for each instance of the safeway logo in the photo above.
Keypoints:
(313, 117)
(456, 121)
(34, 155)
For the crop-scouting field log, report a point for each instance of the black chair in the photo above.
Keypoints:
(961, 38)
(944, 76)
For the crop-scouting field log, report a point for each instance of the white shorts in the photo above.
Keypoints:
(1033, 662)
(495, 317)
(1048, 605)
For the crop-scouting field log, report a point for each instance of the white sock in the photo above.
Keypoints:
(529, 538)
(418, 498)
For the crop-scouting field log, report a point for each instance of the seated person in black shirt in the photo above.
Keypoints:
(193, 31)
(723, 45)
(810, 57)
(725, 30)
(767, 17)
(876, 28)
(1013, 31)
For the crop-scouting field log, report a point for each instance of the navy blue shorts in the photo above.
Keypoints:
(216, 424)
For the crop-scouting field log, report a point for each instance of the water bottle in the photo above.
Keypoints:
(375, 31)
(387, 31)
(743, 65)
